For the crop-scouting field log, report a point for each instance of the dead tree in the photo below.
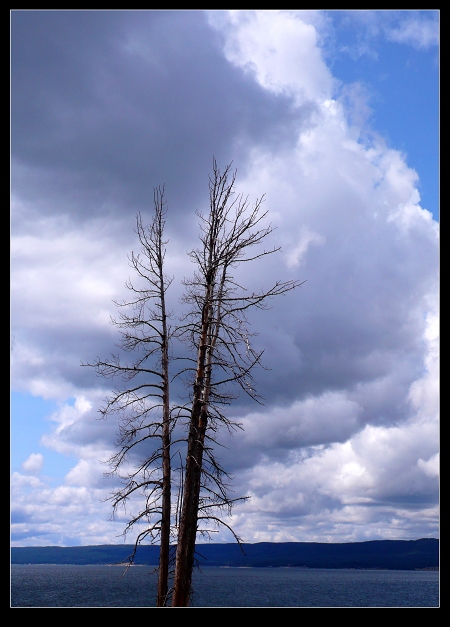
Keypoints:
(217, 331)
(143, 403)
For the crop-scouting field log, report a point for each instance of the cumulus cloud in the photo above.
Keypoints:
(382, 478)
(33, 464)
(345, 446)
(286, 60)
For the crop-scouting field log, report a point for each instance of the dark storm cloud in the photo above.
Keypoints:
(115, 103)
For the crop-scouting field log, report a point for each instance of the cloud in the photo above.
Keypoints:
(419, 32)
(107, 105)
(100, 136)
(63, 516)
(357, 33)
(286, 60)
(33, 464)
(327, 418)
(381, 478)
(431, 466)
(296, 256)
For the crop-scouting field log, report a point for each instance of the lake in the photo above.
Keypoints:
(47, 585)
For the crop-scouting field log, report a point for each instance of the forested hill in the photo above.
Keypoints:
(386, 554)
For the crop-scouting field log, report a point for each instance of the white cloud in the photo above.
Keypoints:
(19, 481)
(33, 464)
(357, 487)
(358, 33)
(424, 392)
(286, 59)
(297, 255)
(431, 466)
(417, 32)
(87, 473)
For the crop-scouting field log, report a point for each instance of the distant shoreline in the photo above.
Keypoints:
(430, 568)
(422, 554)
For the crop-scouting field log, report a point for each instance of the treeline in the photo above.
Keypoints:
(384, 554)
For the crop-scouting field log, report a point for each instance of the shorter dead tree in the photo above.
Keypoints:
(217, 331)
(143, 403)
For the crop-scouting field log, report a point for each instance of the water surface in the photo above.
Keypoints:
(47, 585)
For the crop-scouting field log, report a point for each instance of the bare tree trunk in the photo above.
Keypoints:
(164, 555)
(194, 462)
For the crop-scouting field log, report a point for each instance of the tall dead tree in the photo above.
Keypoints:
(142, 402)
(217, 330)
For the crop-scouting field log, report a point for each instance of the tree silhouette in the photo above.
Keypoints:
(220, 362)
(143, 406)
(217, 331)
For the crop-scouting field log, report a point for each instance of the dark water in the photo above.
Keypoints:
(107, 586)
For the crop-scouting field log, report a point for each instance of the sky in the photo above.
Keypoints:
(334, 117)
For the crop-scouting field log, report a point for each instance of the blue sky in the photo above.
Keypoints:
(402, 87)
(335, 117)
